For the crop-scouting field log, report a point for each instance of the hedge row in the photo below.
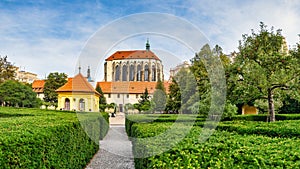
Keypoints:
(47, 139)
(284, 129)
(166, 118)
(263, 117)
(222, 150)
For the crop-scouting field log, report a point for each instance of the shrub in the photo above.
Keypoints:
(37, 138)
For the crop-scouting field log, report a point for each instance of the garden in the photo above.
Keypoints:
(35, 138)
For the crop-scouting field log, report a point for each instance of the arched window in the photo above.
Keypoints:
(153, 73)
(131, 73)
(81, 105)
(146, 78)
(67, 104)
(158, 73)
(124, 73)
(139, 73)
(117, 74)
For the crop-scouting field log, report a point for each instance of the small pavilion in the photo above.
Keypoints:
(78, 95)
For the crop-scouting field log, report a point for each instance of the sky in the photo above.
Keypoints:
(43, 36)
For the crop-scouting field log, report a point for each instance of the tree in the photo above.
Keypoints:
(263, 67)
(174, 98)
(7, 70)
(102, 99)
(54, 81)
(144, 103)
(159, 97)
(13, 93)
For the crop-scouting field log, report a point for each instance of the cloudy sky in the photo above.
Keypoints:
(44, 36)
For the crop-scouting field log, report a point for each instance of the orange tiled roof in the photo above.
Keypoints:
(38, 86)
(129, 87)
(133, 54)
(77, 84)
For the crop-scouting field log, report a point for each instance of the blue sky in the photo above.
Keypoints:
(48, 35)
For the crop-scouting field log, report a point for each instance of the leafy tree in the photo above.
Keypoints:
(262, 68)
(54, 81)
(7, 70)
(13, 93)
(144, 103)
(174, 98)
(290, 106)
(102, 99)
(159, 97)
(202, 65)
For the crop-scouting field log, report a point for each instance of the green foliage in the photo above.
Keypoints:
(47, 139)
(102, 99)
(13, 93)
(159, 97)
(222, 150)
(290, 106)
(7, 70)
(262, 68)
(144, 102)
(54, 81)
(174, 98)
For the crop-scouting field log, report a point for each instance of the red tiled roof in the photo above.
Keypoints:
(130, 87)
(77, 84)
(133, 54)
(38, 86)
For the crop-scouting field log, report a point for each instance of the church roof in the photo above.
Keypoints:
(77, 84)
(132, 54)
(38, 86)
(130, 87)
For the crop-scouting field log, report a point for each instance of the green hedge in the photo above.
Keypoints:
(222, 150)
(104, 124)
(47, 139)
(263, 117)
(165, 118)
(285, 129)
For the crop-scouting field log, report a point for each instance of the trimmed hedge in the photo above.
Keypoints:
(263, 117)
(47, 139)
(222, 150)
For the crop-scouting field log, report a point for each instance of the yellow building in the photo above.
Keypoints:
(78, 95)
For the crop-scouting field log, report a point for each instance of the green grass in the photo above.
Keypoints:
(34, 138)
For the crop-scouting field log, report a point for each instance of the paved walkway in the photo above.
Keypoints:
(115, 149)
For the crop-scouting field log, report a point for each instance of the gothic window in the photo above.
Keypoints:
(131, 74)
(117, 74)
(124, 73)
(153, 73)
(139, 73)
(146, 78)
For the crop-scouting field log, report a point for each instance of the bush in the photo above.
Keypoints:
(222, 150)
(37, 138)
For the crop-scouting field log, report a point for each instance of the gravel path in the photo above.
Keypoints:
(115, 149)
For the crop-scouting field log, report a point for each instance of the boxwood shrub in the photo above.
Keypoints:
(37, 138)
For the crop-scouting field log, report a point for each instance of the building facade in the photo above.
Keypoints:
(25, 77)
(78, 95)
(128, 73)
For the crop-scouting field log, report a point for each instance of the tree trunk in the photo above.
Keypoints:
(271, 105)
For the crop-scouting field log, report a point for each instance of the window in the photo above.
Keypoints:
(81, 105)
(108, 95)
(137, 96)
(139, 73)
(67, 104)
(153, 73)
(146, 78)
(124, 73)
(118, 95)
(127, 96)
(117, 76)
(131, 73)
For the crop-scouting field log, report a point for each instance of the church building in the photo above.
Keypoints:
(128, 73)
